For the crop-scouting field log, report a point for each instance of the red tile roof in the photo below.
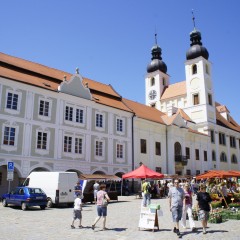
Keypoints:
(174, 90)
(145, 112)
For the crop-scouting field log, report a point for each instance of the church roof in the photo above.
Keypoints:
(174, 90)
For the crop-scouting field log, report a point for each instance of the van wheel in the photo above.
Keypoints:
(49, 203)
(4, 202)
(43, 207)
(24, 206)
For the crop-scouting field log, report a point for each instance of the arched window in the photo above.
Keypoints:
(178, 152)
(233, 159)
(213, 156)
(207, 69)
(163, 81)
(152, 81)
(194, 69)
(223, 157)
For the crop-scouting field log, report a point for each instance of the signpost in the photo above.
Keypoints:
(10, 173)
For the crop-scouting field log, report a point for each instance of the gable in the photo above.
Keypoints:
(75, 87)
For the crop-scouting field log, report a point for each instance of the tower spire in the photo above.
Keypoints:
(193, 18)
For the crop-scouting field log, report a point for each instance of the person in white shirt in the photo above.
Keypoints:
(77, 211)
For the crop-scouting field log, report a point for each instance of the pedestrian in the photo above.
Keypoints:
(187, 208)
(77, 189)
(101, 207)
(176, 196)
(77, 210)
(95, 190)
(146, 193)
(203, 206)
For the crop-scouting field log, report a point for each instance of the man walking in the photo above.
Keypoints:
(176, 196)
(145, 192)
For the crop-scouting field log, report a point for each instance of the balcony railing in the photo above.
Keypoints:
(181, 159)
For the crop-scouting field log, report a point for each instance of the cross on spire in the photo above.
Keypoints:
(193, 18)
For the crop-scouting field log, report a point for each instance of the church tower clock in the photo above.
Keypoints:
(156, 79)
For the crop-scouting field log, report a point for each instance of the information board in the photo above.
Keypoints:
(148, 219)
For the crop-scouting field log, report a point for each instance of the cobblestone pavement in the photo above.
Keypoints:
(122, 221)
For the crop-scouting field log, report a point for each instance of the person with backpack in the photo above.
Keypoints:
(146, 192)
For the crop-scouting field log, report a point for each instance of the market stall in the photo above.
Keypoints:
(109, 180)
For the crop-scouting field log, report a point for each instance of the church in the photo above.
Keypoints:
(52, 120)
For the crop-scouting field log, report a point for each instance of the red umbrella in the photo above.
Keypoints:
(143, 172)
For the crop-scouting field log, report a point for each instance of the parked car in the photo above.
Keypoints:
(25, 197)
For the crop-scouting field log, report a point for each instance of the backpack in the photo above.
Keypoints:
(149, 188)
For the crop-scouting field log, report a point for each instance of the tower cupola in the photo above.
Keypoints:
(196, 49)
(156, 63)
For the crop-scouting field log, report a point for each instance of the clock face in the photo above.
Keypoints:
(152, 94)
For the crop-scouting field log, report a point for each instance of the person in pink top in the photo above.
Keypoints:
(187, 208)
(101, 209)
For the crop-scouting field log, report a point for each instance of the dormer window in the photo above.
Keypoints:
(152, 82)
(194, 69)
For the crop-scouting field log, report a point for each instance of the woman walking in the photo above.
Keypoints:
(187, 208)
(101, 206)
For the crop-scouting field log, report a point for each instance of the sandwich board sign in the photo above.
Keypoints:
(148, 219)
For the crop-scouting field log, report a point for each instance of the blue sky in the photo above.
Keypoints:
(110, 41)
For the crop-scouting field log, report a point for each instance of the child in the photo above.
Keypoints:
(77, 210)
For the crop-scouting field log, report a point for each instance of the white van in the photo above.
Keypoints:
(58, 186)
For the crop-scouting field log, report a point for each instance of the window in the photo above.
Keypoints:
(212, 136)
(9, 136)
(194, 69)
(79, 115)
(119, 151)
(210, 99)
(158, 148)
(42, 140)
(188, 172)
(99, 120)
(12, 101)
(232, 142)
(213, 156)
(234, 159)
(78, 145)
(222, 139)
(69, 113)
(205, 155)
(143, 143)
(239, 143)
(207, 69)
(163, 81)
(152, 81)
(119, 125)
(99, 149)
(197, 172)
(44, 108)
(223, 157)
(195, 99)
(0, 178)
(67, 144)
(196, 154)
(188, 152)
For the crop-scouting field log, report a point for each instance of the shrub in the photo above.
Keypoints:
(216, 204)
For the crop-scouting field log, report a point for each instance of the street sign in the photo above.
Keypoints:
(10, 167)
(10, 176)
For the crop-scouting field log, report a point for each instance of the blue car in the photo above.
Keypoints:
(25, 197)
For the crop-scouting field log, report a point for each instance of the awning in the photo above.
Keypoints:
(99, 177)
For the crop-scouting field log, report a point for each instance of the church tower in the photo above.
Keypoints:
(157, 78)
(200, 96)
